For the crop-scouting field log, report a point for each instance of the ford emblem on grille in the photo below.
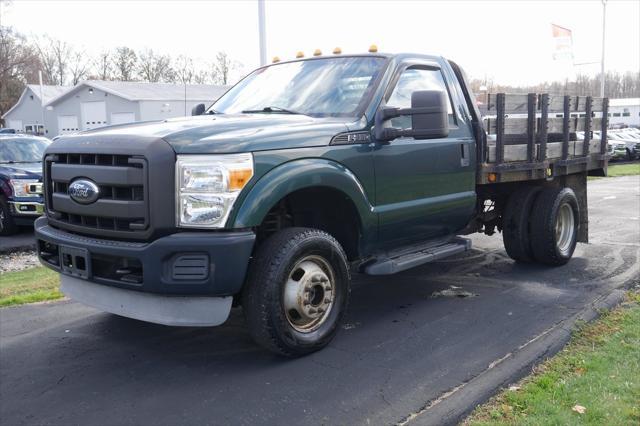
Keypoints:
(83, 191)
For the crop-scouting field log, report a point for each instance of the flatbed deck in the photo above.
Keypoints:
(537, 136)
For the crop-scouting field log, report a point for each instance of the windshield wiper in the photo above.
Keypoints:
(273, 109)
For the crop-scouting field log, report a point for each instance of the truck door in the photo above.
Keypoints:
(424, 188)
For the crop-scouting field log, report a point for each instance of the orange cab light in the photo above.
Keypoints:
(300, 54)
(373, 48)
(317, 52)
(337, 51)
(275, 59)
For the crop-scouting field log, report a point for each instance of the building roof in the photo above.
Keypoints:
(48, 93)
(143, 91)
(624, 102)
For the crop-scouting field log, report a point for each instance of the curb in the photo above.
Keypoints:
(455, 405)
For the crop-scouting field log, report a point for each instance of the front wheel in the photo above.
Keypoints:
(7, 224)
(297, 291)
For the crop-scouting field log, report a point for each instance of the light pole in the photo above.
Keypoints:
(262, 33)
(604, 22)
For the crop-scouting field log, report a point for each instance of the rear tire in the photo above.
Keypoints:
(7, 224)
(297, 291)
(516, 224)
(554, 226)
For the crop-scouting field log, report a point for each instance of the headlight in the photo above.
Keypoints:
(21, 187)
(207, 186)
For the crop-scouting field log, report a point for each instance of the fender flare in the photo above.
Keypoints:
(294, 176)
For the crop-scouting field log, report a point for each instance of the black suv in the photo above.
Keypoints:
(20, 180)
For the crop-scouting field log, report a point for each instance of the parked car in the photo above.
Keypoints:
(628, 138)
(7, 131)
(21, 200)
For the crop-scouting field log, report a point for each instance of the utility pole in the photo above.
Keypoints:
(604, 22)
(262, 33)
(41, 103)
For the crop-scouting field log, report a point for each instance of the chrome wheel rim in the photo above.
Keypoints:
(309, 294)
(565, 228)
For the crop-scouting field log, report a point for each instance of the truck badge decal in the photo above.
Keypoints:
(83, 191)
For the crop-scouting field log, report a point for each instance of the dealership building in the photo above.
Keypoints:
(29, 113)
(93, 104)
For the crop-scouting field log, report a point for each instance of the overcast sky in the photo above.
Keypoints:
(509, 41)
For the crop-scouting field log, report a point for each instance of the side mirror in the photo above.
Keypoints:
(429, 117)
(198, 109)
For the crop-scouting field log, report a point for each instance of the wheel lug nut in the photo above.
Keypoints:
(320, 310)
(327, 300)
(315, 279)
(312, 311)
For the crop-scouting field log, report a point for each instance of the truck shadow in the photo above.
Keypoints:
(381, 310)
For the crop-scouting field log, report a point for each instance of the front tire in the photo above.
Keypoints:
(7, 224)
(297, 291)
(554, 226)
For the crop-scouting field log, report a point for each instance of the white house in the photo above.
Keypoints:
(624, 111)
(92, 104)
(28, 113)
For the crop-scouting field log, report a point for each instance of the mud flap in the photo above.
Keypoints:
(578, 183)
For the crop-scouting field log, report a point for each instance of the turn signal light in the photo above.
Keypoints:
(492, 177)
(239, 178)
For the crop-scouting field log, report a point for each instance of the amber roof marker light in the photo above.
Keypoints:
(317, 52)
(275, 59)
(373, 48)
(337, 51)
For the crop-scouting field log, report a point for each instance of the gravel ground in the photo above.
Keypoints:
(18, 261)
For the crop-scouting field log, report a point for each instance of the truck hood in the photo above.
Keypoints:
(21, 170)
(228, 133)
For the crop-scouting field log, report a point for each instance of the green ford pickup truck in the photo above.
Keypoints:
(304, 173)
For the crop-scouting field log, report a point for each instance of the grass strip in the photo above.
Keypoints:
(31, 285)
(595, 380)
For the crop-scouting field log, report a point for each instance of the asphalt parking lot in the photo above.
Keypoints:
(400, 357)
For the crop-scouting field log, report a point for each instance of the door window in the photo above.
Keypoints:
(411, 80)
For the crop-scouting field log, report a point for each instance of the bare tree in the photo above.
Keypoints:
(78, 67)
(154, 67)
(222, 67)
(183, 70)
(102, 66)
(19, 64)
(202, 77)
(47, 60)
(125, 63)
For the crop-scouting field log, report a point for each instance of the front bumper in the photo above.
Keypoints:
(184, 263)
(188, 311)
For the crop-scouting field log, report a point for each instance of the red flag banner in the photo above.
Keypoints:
(563, 43)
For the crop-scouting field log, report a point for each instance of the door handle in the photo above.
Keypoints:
(464, 155)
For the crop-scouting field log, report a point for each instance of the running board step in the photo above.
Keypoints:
(391, 265)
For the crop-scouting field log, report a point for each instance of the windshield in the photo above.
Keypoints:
(336, 87)
(22, 150)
